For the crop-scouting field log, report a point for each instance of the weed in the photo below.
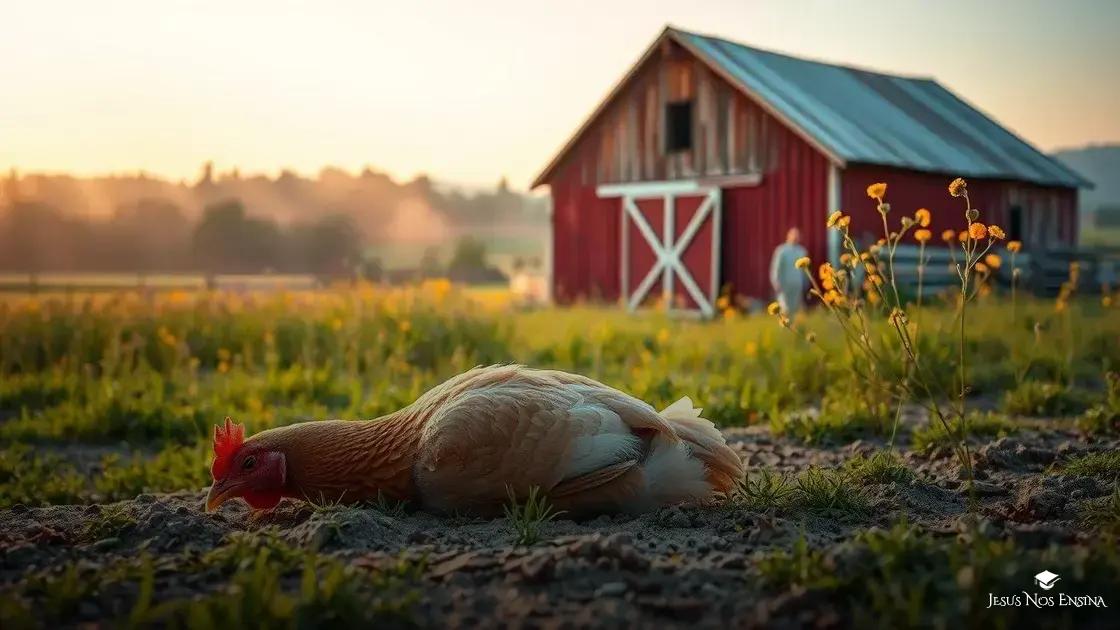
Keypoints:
(1033, 398)
(881, 467)
(814, 490)
(1104, 417)
(1101, 464)
(826, 490)
(935, 436)
(764, 490)
(527, 518)
(1103, 514)
(109, 522)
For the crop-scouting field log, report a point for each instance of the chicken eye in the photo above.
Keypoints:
(249, 462)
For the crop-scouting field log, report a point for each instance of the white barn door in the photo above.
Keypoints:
(670, 238)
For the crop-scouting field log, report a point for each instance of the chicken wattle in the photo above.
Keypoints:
(468, 443)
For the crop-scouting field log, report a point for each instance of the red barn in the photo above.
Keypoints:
(690, 172)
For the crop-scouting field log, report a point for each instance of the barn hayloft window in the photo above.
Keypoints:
(678, 126)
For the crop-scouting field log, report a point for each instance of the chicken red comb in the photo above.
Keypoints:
(227, 441)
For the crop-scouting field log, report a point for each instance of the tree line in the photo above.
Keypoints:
(229, 224)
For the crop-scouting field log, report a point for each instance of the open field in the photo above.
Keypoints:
(850, 515)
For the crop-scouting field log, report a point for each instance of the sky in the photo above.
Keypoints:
(470, 91)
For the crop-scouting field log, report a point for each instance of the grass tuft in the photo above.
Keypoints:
(1102, 464)
(881, 467)
(934, 436)
(1034, 398)
(527, 517)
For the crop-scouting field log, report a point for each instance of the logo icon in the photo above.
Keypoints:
(1046, 580)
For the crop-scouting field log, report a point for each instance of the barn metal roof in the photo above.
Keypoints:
(862, 116)
(855, 115)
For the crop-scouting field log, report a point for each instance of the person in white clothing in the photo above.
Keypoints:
(788, 281)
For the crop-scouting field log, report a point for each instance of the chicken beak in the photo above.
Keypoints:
(218, 495)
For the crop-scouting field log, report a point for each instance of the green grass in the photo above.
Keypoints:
(527, 517)
(934, 436)
(814, 490)
(1104, 417)
(1102, 464)
(1044, 399)
(881, 467)
(265, 583)
(152, 374)
(903, 578)
(840, 420)
(1103, 514)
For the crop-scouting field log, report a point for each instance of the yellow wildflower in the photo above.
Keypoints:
(963, 236)
(957, 187)
(834, 217)
(865, 256)
(825, 271)
(996, 232)
(993, 261)
(948, 235)
(843, 222)
(774, 308)
(1014, 246)
(877, 191)
(846, 259)
(802, 263)
(923, 217)
(978, 231)
(876, 279)
(981, 268)
(922, 236)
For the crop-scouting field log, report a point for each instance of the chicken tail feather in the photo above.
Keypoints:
(724, 467)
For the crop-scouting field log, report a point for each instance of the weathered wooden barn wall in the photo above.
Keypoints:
(585, 240)
(627, 143)
(1049, 213)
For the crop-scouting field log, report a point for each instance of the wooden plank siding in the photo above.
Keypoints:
(1049, 213)
(730, 134)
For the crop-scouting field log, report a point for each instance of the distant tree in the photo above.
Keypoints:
(468, 263)
(469, 253)
(206, 177)
(148, 235)
(227, 240)
(371, 269)
(330, 246)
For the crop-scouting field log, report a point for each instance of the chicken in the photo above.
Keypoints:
(468, 443)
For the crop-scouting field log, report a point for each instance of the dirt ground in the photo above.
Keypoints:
(677, 567)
